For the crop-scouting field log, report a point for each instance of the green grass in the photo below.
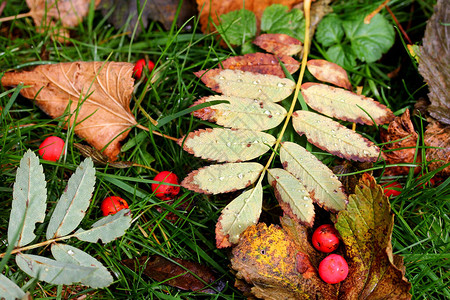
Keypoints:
(421, 232)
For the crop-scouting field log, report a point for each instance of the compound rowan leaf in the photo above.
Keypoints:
(345, 105)
(97, 95)
(223, 178)
(294, 199)
(366, 230)
(329, 72)
(29, 201)
(227, 145)
(279, 44)
(241, 113)
(246, 84)
(74, 202)
(9, 290)
(334, 138)
(262, 63)
(100, 276)
(318, 179)
(238, 215)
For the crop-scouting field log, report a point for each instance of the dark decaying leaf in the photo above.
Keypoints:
(366, 230)
(329, 72)
(278, 44)
(176, 272)
(97, 94)
(350, 181)
(401, 130)
(100, 158)
(438, 135)
(434, 61)
(262, 63)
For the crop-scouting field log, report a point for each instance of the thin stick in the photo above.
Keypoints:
(399, 26)
(376, 11)
(20, 16)
(157, 133)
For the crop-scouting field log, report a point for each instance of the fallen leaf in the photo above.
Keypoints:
(400, 130)
(176, 272)
(329, 72)
(279, 44)
(350, 181)
(100, 158)
(438, 135)
(98, 94)
(262, 63)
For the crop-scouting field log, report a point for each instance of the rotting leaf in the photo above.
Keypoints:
(98, 94)
(437, 136)
(262, 63)
(334, 138)
(246, 84)
(329, 72)
(241, 113)
(279, 44)
(100, 158)
(366, 230)
(345, 105)
(350, 181)
(180, 273)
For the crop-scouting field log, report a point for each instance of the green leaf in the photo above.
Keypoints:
(223, 178)
(294, 199)
(9, 290)
(29, 200)
(242, 113)
(334, 138)
(330, 30)
(277, 19)
(318, 179)
(99, 278)
(238, 26)
(52, 271)
(227, 145)
(342, 55)
(239, 214)
(106, 229)
(71, 207)
(370, 41)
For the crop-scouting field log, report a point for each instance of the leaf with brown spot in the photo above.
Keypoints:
(437, 136)
(262, 63)
(98, 95)
(329, 72)
(279, 44)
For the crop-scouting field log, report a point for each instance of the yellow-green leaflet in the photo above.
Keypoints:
(227, 145)
(334, 138)
(318, 179)
(242, 113)
(223, 178)
(294, 199)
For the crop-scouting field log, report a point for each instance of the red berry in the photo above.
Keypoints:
(163, 191)
(112, 205)
(393, 189)
(325, 238)
(51, 148)
(333, 269)
(139, 67)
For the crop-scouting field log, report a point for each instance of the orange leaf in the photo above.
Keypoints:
(329, 72)
(279, 44)
(97, 93)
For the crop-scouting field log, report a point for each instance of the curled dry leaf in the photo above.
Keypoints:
(279, 44)
(438, 135)
(329, 72)
(100, 158)
(262, 63)
(401, 140)
(97, 94)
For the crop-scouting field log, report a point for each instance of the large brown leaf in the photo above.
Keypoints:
(97, 93)
(437, 136)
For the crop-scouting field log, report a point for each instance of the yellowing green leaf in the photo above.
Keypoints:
(227, 145)
(334, 138)
(9, 290)
(223, 178)
(247, 85)
(239, 214)
(242, 113)
(293, 197)
(319, 180)
(345, 105)
(29, 201)
(72, 206)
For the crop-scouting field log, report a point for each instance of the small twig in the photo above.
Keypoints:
(376, 11)
(42, 244)
(20, 16)
(157, 133)
(405, 35)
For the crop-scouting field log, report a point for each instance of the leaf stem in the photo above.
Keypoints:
(19, 16)
(157, 133)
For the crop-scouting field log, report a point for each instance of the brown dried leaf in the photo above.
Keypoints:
(401, 130)
(180, 273)
(350, 181)
(100, 158)
(262, 63)
(438, 135)
(98, 94)
(279, 44)
(329, 72)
